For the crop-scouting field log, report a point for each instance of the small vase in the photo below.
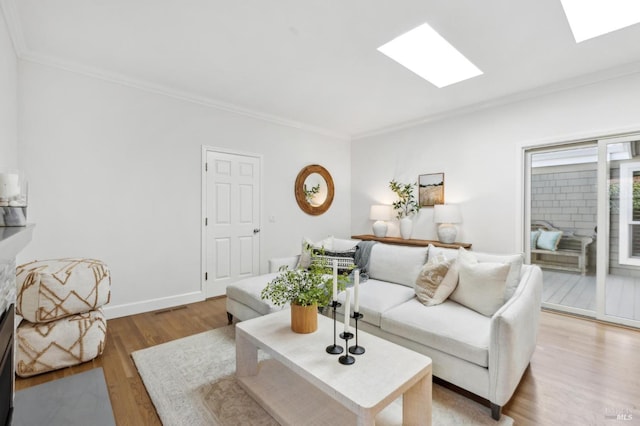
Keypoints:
(406, 227)
(304, 319)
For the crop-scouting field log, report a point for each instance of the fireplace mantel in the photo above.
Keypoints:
(13, 239)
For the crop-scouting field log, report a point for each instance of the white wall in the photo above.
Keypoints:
(478, 153)
(8, 100)
(115, 175)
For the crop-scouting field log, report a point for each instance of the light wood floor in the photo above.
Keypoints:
(581, 371)
(622, 294)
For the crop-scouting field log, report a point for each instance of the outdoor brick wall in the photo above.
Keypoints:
(567, 199)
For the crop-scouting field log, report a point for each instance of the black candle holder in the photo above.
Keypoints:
(346, 359)
(357, 349)
(335, 349)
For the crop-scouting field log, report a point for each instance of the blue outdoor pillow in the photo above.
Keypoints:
(549, 240)
(534, 238)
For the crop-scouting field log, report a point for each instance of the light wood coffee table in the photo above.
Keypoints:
(303, 384)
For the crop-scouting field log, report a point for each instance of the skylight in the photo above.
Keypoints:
(593, 18)
(426, 53)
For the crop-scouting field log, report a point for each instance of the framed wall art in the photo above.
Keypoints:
(431, 189)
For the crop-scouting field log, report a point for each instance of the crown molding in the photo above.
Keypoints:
(580, 81)
(147, 86)
(16, 34)
(24, 53)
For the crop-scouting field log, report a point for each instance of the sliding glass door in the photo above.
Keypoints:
(619, 264)
(582, 226)
(561, 224)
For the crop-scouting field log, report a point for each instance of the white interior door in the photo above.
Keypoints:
(232, 219)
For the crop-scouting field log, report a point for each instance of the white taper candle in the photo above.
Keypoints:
(356, 288)
(347, 303)
(335, 280)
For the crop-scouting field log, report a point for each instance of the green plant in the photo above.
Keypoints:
(310, 193)
(407, 204)
(303, 286)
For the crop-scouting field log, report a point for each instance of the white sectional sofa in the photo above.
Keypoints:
(486, 355)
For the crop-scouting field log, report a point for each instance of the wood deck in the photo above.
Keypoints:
(578, 291)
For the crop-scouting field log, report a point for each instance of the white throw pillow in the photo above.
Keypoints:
(481, 286)
(436, 281)
(514, 260)
(448, 253)
(466, 257)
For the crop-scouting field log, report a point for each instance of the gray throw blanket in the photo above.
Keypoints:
(361, 259)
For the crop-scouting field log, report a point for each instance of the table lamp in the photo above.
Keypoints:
(447, 215)
(380, 214)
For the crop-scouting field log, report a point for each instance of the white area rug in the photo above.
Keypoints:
(191, 382)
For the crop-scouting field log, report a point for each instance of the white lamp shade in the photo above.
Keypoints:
(380, 212)
(446, 213)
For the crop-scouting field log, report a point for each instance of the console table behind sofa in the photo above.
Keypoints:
(410, 242)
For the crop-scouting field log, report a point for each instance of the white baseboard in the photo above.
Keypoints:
(127, 309)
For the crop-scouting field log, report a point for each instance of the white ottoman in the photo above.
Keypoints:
(60, 301)
(57, 344)
(48, 290)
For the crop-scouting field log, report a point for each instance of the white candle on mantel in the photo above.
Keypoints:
(347, 303)
(356, 288)
(335, 280)
(9, 185)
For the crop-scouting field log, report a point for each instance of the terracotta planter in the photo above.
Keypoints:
(304, 319)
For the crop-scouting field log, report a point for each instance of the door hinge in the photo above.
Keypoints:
(206, 167)
(206, 221)
(206, 276)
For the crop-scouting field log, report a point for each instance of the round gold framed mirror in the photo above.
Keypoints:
(314, 189)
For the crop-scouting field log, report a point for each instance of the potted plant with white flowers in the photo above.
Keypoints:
(306, 289)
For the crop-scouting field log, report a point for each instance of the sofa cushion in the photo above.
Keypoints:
(376, 297)
(396, 264)
(436, 281)
(481, 286)
(247, 292)
(448, 327)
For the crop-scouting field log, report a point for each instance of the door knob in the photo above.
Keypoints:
(256, 230)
